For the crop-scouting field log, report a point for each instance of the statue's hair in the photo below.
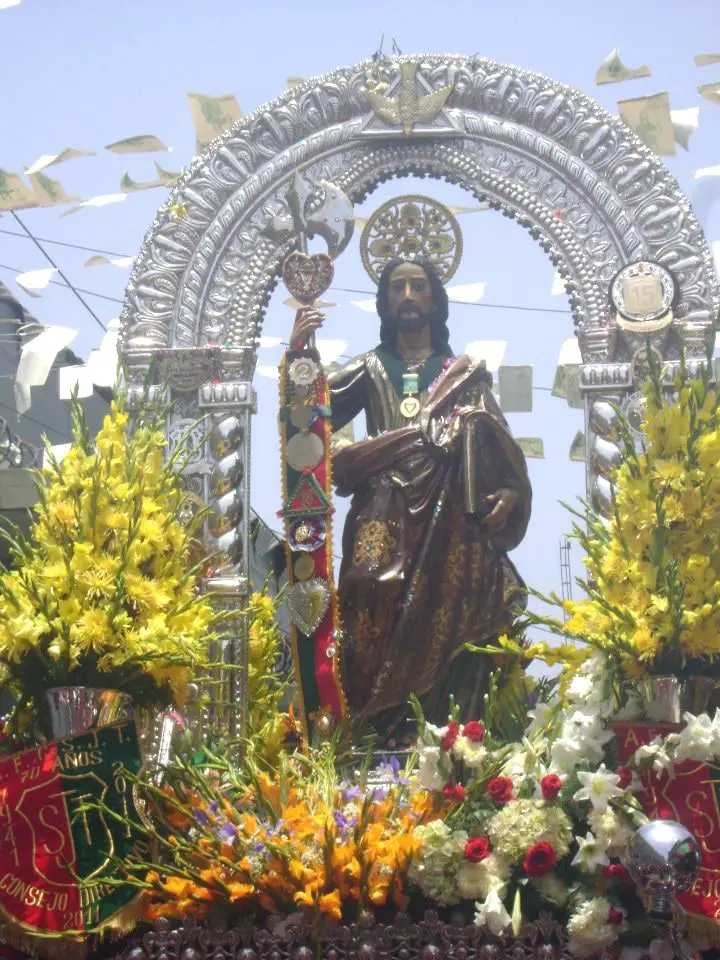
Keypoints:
(439, 332)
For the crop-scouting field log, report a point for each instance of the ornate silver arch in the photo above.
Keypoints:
(592, 194)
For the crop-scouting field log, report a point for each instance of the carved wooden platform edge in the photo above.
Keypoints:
(403, 939)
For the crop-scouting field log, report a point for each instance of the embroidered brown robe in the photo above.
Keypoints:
(421, 576)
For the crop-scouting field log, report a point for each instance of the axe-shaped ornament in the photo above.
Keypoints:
(306, 276)
(332, 218)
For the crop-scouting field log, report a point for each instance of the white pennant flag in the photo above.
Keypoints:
(467, 292)
(102, 201)
(491, 351)
(59, 452)
(103, 362)
(50, 159)
(34, 280)
(330, 350)
(75, 378)
(707, 172)
(368, 306)
(684, 125)
(558, 286)
(36, 359)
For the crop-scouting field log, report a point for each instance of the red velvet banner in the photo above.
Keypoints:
(689, 796)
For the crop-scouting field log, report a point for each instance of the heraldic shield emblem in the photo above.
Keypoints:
(56, 848)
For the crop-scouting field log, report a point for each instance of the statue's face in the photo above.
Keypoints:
(410, 298)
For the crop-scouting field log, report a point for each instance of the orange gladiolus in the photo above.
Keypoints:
(331, 904)
(240, 891)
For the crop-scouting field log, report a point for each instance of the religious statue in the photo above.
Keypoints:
(440, 493)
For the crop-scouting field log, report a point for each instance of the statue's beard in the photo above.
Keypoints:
(413, 323)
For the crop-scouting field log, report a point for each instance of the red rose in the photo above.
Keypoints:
(615, 917)
(551, 785)
(477, 849)
(539, 859)
(616, 871)
(474, 731)
(451, 736)
(625, 777)
(454, 791)
(500, 789)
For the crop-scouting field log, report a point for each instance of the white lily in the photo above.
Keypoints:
(591, 853)
(492, 914)
(598, 787)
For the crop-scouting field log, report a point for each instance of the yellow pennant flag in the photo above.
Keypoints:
(706, 59)
(49, 193)
(649, 118)
(212, 116)
(531, 447)
(613, 70)
(291, 82)
(128, 185)
(577, 447)
(14, 193)
(166, 176)
(711, 92)
(142, 144)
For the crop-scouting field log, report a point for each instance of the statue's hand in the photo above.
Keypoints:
(307, 321)
(503, 502)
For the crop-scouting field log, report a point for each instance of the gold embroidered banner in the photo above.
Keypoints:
(689, 796)
(55, 852)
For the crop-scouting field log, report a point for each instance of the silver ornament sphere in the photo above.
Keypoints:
(663, 859)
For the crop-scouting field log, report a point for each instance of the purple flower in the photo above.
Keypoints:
(343, 823)
(350, 791)
(214, 806)
(201, 817)
(227, 832)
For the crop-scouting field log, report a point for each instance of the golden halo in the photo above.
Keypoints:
(412, 228)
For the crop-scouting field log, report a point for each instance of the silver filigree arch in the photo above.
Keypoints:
(548, 155)
(592, 194)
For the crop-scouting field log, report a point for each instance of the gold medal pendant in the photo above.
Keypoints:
(410, 407)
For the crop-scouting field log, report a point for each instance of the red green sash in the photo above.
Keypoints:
(307, 497)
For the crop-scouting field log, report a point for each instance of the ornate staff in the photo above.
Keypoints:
(306, 468)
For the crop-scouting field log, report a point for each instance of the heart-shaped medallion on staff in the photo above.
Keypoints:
(307, 276)
(308, 602)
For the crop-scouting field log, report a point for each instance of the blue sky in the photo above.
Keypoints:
(84, 74)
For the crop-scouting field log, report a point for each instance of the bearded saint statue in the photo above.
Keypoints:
(440, 493)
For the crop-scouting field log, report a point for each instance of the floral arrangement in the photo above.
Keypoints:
(654, 568)
(540, 824)
(233, 839)
(102, 593)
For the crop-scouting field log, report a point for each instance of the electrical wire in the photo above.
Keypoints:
(52, 263)
(64, 243)
(39, 423)
(366, 293)
(462, 303)
(59, 283)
